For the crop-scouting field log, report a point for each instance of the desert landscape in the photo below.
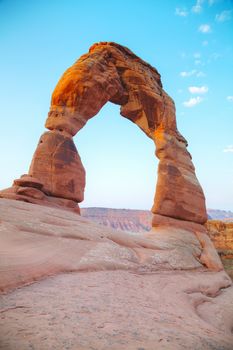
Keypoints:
(70, 279)
(116, 210)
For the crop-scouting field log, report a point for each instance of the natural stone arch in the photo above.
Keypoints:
(110, 72)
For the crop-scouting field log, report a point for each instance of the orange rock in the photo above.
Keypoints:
(28, 181)
(178, 192)
(110, 72)
(57, 164)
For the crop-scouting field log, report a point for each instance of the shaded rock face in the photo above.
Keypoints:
(57, 162)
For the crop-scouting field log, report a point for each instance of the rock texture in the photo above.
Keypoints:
(114, 290)
(110, 72)
(70, 242)
(221, 233)
(139, 221)
(57, 163)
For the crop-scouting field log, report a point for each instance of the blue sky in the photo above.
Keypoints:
(189, 42)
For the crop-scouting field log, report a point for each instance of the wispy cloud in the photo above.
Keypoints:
(197, 8)
(228, 149)
(200, 74)
(181, 12)
(204, 28)
(198, 89)
(193, 101)
(230, 98)
(186, 74)
(223, 16)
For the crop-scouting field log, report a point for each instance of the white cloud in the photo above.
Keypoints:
(187, 74)
(204, 28)
(198, 7)
(230, 98)
(228, 149)
(181, 12)
(193, 101)
(191, 73)
(223, 16)
(198, 90)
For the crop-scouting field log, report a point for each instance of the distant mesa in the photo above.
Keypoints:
(111, 72)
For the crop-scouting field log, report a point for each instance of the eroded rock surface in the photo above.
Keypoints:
(113, 290)
(57, 164)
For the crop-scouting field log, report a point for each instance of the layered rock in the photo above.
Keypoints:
(110, 72)
(57, 164)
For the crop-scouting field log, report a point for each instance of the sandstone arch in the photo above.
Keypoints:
(110, 72)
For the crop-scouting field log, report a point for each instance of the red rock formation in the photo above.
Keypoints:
(110, 72)
(57, 164)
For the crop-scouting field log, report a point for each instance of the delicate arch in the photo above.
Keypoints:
(110, 72)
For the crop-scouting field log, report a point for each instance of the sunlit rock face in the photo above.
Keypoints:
(110, 72)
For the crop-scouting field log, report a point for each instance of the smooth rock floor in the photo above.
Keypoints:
(117, 310)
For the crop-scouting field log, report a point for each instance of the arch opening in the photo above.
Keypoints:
(119, 162)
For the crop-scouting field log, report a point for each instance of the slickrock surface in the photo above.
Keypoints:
(111, 72)
(119, 310)
(96, 288)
